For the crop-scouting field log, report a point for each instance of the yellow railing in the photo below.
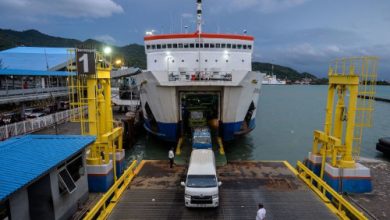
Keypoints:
(341, 207)
(106, 204)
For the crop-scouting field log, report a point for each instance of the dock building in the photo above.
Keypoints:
(43, 176)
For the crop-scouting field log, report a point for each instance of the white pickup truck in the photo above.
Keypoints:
(201, 185)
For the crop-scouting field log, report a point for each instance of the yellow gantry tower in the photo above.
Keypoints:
(90, 97)
(349, 108)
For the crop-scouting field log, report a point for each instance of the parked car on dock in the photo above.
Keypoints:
(34, 113)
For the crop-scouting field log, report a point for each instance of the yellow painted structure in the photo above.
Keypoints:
(346, 114)
(90, 95)
(108, 201)
(178, 146)
(221, 148)
(338, 205)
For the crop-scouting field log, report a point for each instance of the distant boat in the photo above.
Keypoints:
(272, 80)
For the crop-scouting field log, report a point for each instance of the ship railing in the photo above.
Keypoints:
(35, 124)
(199, 76)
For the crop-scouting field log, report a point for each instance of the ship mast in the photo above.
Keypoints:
(199, 16)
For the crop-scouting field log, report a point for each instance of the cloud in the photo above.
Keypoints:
(106, 39)
(264, 6)
(61, 8)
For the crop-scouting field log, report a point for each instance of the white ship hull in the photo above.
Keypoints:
(166, 119)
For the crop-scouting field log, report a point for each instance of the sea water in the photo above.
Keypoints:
(285, 120)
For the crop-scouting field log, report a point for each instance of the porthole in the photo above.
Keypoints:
(197, 60)
(182, 61)
(155, 61)
(173, 61)
(227, 61)
(216, 61)
(243, 60)
(205, 60)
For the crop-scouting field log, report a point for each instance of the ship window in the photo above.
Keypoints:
(174, 45)
(197, 60)
(155, 61)
(163, 46)
(244, 46)
(218, 45)
(182, 61)
(169, 45)
(223, 45)
(234, 46)
(205, 60)
(249, 47)
(173, 61)
(239, 46)
(180, 45)
(212, 45)
(206, 45)
(216, 61)
(243, 60)
(227, 61)
(201, 45)
(185, 45)
(158, 46)
(153, 47)
(228, 46)
(197, 45)
(147, 47)
(192, 45)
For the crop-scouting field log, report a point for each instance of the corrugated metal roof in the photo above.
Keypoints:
(24, 159)
(18, 72)
(33, 58)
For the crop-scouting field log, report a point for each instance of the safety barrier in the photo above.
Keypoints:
(35, 124)
(108, 201)
(341, 207)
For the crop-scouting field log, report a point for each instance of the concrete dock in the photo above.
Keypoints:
(156, 193)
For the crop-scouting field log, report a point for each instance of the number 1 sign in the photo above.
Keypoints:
(85, 60)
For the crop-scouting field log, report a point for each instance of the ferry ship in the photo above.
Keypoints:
(207, 72)
(272, 80)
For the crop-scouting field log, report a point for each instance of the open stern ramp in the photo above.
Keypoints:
(156, 193)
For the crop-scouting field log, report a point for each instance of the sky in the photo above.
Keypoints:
(306, 35)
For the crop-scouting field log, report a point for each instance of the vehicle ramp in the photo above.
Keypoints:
(155, 193)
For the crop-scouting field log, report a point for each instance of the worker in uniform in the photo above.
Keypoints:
(261, 212)
(171, 156)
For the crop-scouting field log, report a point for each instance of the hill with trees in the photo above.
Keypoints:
(132, 54)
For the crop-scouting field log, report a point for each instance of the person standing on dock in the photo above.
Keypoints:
(171, 156)
(261, 212)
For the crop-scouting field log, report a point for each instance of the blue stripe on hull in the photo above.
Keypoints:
(168, 131)
(230, 129)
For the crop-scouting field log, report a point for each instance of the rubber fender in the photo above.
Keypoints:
(385, 141)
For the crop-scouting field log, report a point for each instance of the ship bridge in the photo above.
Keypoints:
(199, 56)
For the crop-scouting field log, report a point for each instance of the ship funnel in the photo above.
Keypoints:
(199, 16)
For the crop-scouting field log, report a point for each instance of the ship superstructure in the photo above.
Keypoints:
(203, 72)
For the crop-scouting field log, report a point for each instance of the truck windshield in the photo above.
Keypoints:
(201, 181)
